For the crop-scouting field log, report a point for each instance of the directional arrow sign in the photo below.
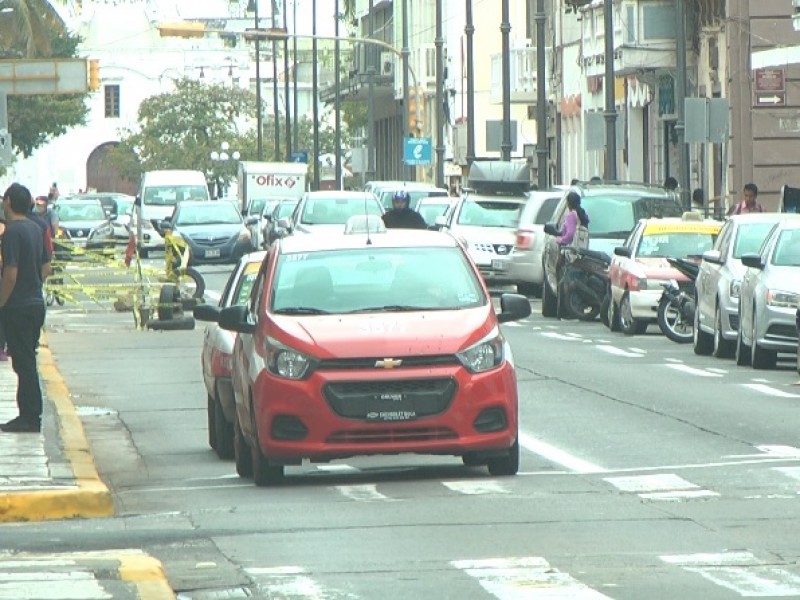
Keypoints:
(769, 99)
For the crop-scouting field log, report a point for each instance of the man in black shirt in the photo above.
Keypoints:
(401, 216)
(26, 263)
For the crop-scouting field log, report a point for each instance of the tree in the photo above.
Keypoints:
(180, 130)
(28, 27)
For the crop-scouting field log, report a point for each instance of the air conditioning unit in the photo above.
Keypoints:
(387, 64)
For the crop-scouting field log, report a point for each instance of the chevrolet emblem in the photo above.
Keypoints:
(388, 363)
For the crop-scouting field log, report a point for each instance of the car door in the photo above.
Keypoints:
(750, 284)
(551, 251)
(708, 279)
(621, 265)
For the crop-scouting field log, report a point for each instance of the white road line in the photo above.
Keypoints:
(363, 493)
(43, 585)
(638, 350)
(476, 488)
(557, 455)
(530, 578)
(715, 370)
(288, 582)
(673, 360)
(666, 486)
(560, 336)
(618, 351)
(732, 571)
(780, 450)
(770, 391)
(679, 495)
(692, 371)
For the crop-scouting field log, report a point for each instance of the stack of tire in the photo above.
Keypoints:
(174, 311)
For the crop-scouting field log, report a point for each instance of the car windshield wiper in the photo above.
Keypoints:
(394, 308)
(301, 310)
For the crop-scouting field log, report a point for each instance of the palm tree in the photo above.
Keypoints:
(28, 26)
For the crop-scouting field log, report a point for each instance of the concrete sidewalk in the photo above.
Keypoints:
(50, 476)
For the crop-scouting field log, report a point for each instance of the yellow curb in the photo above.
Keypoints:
(147, 574)
(91, 498)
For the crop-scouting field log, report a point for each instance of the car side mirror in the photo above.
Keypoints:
(285, 223)
(235, 318)
(251, 220)
(206, 312)
(550, 229)
(753, 261)
(713, 256)
(622, 251)
(513, 307)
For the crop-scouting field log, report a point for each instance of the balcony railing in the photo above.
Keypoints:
(522, 69)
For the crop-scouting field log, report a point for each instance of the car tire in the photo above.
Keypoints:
(212, 426)
(264, 474)
(761, 358)
(505, 466)
(722, 348)
(613, 313)
(169, 302)
(223, 432)
(472, 460)
(742, 350)
(702, 342)
(549, 301)
(628, 324)
(241, 452)
(605, 310)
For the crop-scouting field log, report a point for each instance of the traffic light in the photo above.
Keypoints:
(94, 74)
(416, 109)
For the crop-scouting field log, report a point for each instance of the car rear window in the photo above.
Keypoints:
(490, 214)
(336, 211)
(546, 210)
(616, 216)
(375, 280)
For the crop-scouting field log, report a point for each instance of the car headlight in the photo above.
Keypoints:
(287, 362)
(782, 299)
(734, 287)
(484, 355)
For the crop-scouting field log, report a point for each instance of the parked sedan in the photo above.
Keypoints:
(720, 278)
(273, 228)
(215, 231)
(387, 344)
(329, 211)
(215, 358)
(640, 269)
(82, 224)
(769, 297)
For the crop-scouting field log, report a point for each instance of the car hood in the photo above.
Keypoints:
(221, 230)
(781, 278)
(385, 334)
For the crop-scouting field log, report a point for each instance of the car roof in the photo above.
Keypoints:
(766, 217)
(621, 188)
(396, 238)
(253, 257)
(473, 197)
(333, 194)
(681, 221)
(793, 222)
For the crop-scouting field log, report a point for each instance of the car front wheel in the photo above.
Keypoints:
(505, 466)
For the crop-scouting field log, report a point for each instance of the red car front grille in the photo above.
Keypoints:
(391, 435)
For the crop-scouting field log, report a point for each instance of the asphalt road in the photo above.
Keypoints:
(647, 472)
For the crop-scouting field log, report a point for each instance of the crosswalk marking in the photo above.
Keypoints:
(363, 493)
(618, 351)
(740, 572)
(666, 486)
(476, 488)
(290, 582)
(528, 578)
(770, 391)
(692, 370)
(793, 472)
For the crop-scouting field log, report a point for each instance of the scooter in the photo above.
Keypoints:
(584, 284)
(677, 304)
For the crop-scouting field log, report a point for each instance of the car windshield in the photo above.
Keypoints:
(490, 214)
(787, 249)
(256, 206)
(675, 244)
(80, 212)
(414, 196)
(616, 216)
(124, 206)
(750, 237)
(372, 279)
(336, 211)
(170, 195)
(212, 213)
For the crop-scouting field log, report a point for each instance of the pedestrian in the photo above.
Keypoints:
(670, 183)
(401, 216)
(53, 194)
(750, 203)
(26, 263)
(575, 219)
(3, 352)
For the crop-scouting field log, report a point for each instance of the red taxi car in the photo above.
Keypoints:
(640, 269)
(365, 344)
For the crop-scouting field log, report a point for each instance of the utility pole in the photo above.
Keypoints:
(505, 29)
(438, 42)
(337, 103)
(295, 104)
(542, 172)
(409, 170)
(275, 98)
(368, 56)
(314, 84)
(469, 30)
(286, 88)
(259, 120)
(680, 97)
(611, 108)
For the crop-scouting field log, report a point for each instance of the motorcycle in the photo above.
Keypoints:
(677, 303)
(583, 286)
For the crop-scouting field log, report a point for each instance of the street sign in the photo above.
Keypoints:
(770, 80)
(418, 151)
(299, 157)
(769, 99)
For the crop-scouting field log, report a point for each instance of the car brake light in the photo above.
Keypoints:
(525, 239)
(634, 283)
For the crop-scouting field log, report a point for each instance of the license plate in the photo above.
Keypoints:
(499, 265)
(212, 252)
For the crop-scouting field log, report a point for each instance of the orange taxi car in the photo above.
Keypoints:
(372, 343)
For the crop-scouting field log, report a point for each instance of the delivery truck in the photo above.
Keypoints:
(260, 182)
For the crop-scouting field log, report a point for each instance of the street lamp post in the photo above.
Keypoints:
(275, 100)
(259, 124)
(286, 90)
(221, 157)
(438, 42)
(315, 92)
(611, 108)
(541, 101)
(470, 31)
(505, 29)
(337, 123)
